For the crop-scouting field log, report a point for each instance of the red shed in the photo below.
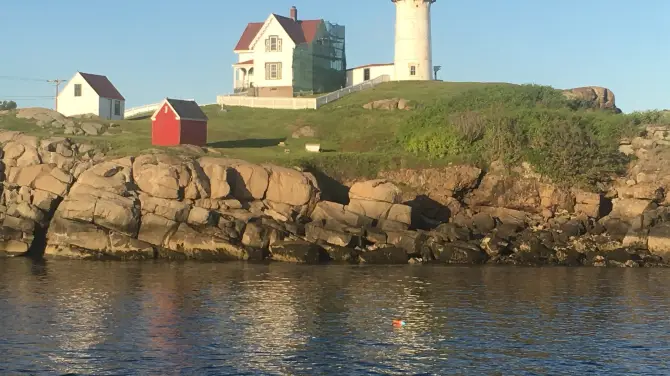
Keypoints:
(178, 122)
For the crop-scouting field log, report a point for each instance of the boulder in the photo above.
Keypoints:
(42, 116)
(190, 243)
(288, 186)
(595, 96)
(298, 252)
(506, 216)
(388, 104)
(458, 252)
(627, 209)
(92, 129)
(177, 211)
(438, 184)
(314, 232)
(13, 241)
(381, 210)
(169, 177)
(376, 190)
(334, 213)
(247, 181)
(385, 256)
(410, 241)
(658, 241)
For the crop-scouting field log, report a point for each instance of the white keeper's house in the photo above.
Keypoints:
(284, 56)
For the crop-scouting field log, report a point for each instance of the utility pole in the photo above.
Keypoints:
(57, 82)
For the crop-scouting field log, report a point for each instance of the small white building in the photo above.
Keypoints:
(369, 72)
(93, 94)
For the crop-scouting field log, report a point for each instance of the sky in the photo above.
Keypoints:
(152, 49)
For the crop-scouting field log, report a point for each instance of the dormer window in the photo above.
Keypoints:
(273, 44)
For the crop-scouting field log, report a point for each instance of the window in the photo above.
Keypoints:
(77, 90)
(366, 74)
(273, 71)
(117, 108)
(412, 70)
(273, 44)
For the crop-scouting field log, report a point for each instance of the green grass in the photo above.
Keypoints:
(358, 142)
(452, 122)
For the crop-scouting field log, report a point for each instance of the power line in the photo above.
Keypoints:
(18, 78)
(26, 96)
(25, 99)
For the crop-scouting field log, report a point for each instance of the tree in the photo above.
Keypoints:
(7, 105)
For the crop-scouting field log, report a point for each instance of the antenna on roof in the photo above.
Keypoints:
(57, 82)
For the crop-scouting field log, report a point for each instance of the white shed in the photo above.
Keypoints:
(93, 94)
(369, 72)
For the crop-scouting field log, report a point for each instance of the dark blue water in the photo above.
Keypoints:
(241, 319)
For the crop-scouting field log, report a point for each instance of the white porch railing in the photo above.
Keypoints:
(297, 103)
(335, 95)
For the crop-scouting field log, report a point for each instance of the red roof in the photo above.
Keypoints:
(245, 62)
(299, 31)
(102, 86)
(248, 35)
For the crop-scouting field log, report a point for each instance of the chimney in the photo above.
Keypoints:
(294, 13)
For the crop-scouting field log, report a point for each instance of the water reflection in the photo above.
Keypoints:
(175, 318)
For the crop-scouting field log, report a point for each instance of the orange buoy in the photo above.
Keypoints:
(398, 323)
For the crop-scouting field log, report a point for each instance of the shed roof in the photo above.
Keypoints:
(183, 109)
(102, 86)
(301, 31)
(187, 110)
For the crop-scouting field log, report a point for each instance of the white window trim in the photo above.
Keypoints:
(277, 71)
(277, 43)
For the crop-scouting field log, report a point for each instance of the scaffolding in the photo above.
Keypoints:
(321, 66)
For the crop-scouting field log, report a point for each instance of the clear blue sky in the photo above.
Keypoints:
(151, 49)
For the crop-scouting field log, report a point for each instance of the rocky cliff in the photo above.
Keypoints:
(66, 199)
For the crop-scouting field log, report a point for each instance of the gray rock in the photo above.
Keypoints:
(92, 129)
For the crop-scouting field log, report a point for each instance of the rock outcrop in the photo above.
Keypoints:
(55, 121)
(388, 104)
(63, 199)
(597, 97)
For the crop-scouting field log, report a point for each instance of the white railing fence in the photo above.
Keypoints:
(297, 103)
(335, 95)
(149, 109)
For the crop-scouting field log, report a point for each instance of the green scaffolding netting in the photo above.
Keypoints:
(320, 66)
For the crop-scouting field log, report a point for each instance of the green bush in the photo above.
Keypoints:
(537, 124)
(7, 105)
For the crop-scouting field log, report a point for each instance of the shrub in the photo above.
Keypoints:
(7, 105)
(524, 123)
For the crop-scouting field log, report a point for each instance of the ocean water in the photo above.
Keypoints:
(159, 318)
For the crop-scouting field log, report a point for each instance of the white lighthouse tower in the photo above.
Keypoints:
(413, 52)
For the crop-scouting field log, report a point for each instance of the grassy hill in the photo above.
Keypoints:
(475, 122)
